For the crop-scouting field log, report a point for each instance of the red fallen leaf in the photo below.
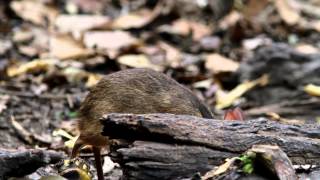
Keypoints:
(234, 114)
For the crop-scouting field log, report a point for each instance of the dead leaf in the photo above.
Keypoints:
(224, 100)
(28, 50)
(221, 169)
(312, 90)
(64, 47)
(20, 36)
(288, 14)
(252, 8)
(92, 79)
(91, 6)
(5, 45)
(307, 49)
(203, 84)
(185, 27)
(138, 61)
(276, 117)
(230, 20)
(136, 20)
(3, 102)
(81, 23)
(35, 65)
(109, 41)
(21, 131)
(217, 64)
(62, 133)
(251, 44)
(34, 11)
(172, 54)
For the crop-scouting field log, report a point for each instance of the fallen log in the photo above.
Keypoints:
(17, 163)
(200, 143)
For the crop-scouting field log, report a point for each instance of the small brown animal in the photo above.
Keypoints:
(137, 91)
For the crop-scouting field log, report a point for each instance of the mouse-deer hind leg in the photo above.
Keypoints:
(97, 158)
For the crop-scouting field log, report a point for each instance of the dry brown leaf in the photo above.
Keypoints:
(109, 41)
(290, 15)
(64, 47)
(312, 90)
(185, 27)
(5, 45)
(138, 61)
(254, 7)
(81, 23)
(307, 49)
(221, 169)
(22, 36)
(34, 11)
(28, 50)
(3, 102)
(135, 20)
(315, 25)
(230, 20)
(76, 75)
(35, 65)
(217, 64)
(224, 100)
(90, 6)
(172, 54)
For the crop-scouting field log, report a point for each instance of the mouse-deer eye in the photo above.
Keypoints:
(234, 114)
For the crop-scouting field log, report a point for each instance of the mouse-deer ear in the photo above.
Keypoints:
(234, 114)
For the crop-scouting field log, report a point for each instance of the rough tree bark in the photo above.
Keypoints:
(175, 146)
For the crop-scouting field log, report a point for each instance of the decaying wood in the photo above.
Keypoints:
(276, 161)
(19, 163)
(186, 144)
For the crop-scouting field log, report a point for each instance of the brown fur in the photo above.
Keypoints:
(137, 91)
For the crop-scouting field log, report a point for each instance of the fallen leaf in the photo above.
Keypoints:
(217, 64)
(91, 6)
(224, 100)
(93, 79)
(5, 45)
(185, 27)
(81, 23)
(20, 36)
(109, 41)
(35, 65)
(172, 54)
(251, 44)
(221, 169)
(312, 90)
(203, 84)
(62, 133)
(64, 47)
(276, 117)
(136, 20)
(138, 61)
(253, 8)
(307, 49)
(3, 102)
(28, 50)
(210, 43)
(287, 12)
(34, 11)
(230, 20)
